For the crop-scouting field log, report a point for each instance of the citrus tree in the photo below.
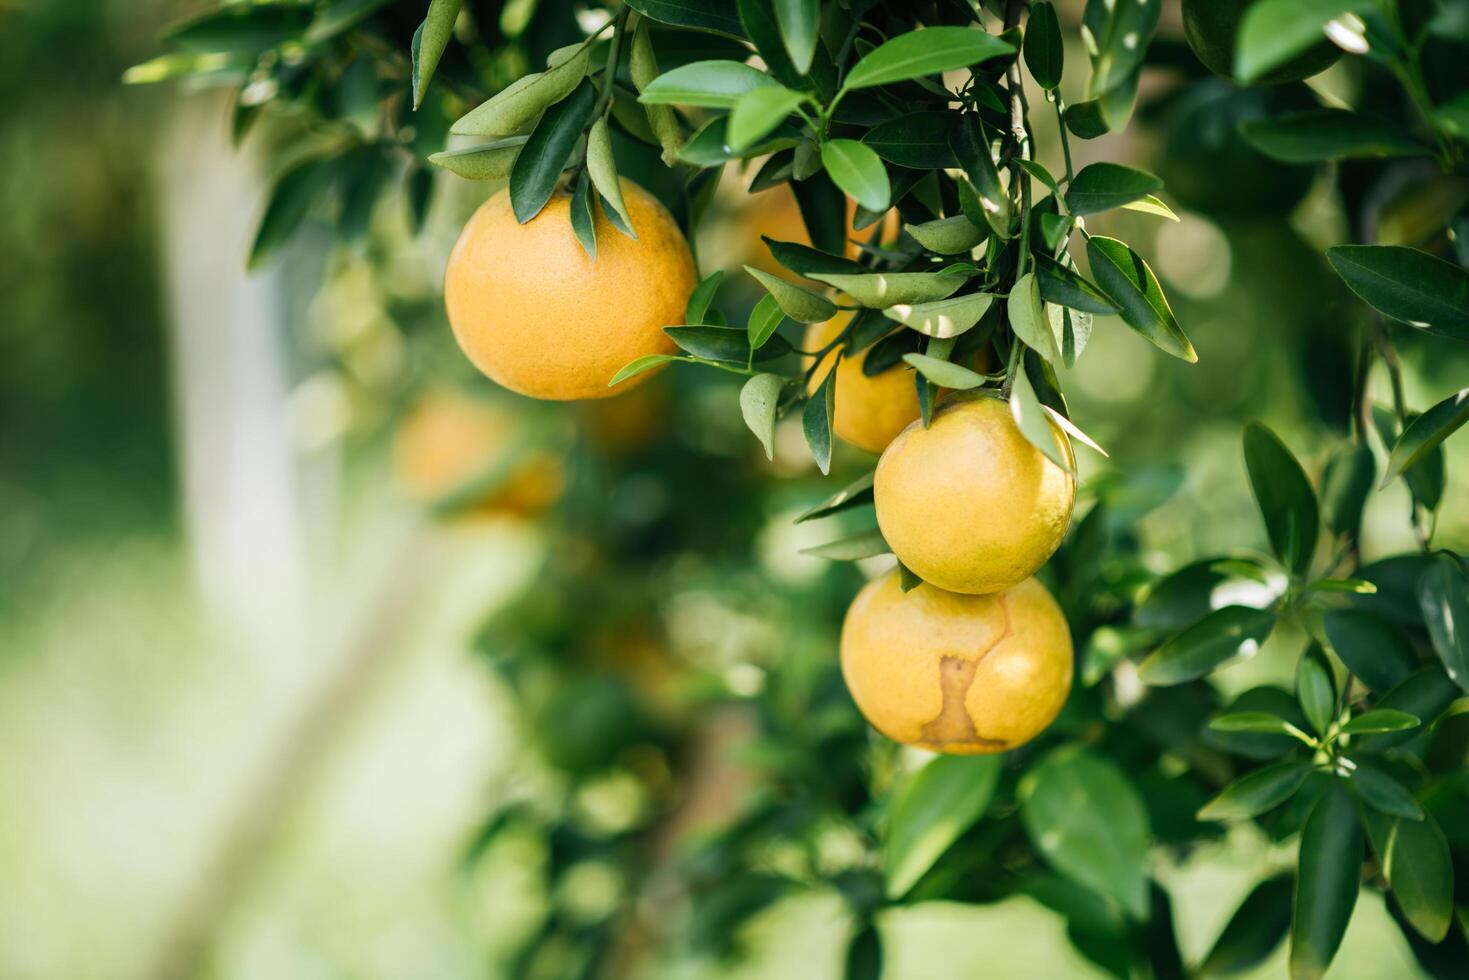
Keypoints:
(946, 281)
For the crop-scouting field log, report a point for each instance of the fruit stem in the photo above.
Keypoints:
(1061, 126)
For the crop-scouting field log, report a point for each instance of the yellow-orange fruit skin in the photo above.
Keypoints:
(962, 674)
(536, 314)
(968, 504)
(870, 411)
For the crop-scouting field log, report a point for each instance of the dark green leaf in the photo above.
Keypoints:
(1419, 869)
(702, 15)
(1371, 647)
(1255, 929)
(1345, 486)
(1426, 479)
(1380, 720)
(938, 804)
(1426, 432)
(864, 955)
(1120, 32)
(927, 52)
(1045, 55)
(816, 424)
(1127, 280)
(758, 401)
(1260, 791)
(702, 296)
(971, 147)
(806, 261)
(1443, 594)
(241, 28)
(1084, 119)
(1316, 689)
(730, 344)
(1103, 186)
(1380, 790)
(1253, 721)
(712, 84)
(291, 200)
(915, 139)
(866, 544)
(1285, 497)
(854, 494)
(858, 171)
(1327, 134)
(538, 168)
(1425, 694)
(1065, 287)
(1254, 745)
(1234, 632)
(429, 44)
(1327, 880)
(1408, 285)
(1275, 31)
(1188, 594)
(1064, 798)
(583, 216)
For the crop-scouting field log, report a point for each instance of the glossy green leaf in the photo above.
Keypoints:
(759, 399)
(942, 318)
(810, 263)
(1426, 694)
(1346, 484)
(1316, 689)
(1254, 931)
(1371, 647)
(537, 169)
(865, 544)
(816, 422)
(1061, 285)
(1231, 633)
(583, 216)
(718, 16)
(602, 167)
(639, 365)
(858, 171)
(1253, 721)
(944, 373)
(1318, 135)
(1275, 31)
(765, 318)
(700, 299)
(1045, 55)
(799, 22)
(1426, 432)
(429, 43)
(290, 201)
(515, 106)
(1282, 491)
(879, 290)
(1408, 285)
(1126, 279)
(1380, 790)
(854, 494)
(1380, 720)
(925, 52)
(1119, 34)
(1419, 868)
(914, 139)
(1103, 186)
(864, 955)
(1040, 173)
(1034, 423)
(971, 146)
(1425, 480)
(240, 28)
(1151, 204)
(488, 161)
(729, 344)
(1443, 595)
(937, 805)
(1064, 798)
(1028, 319)
(1185, 596)
(1257, 792)
(1327, 879)
(1084, 119)
(711, 84)
(758, 112)
(801, 305)
(948, 236)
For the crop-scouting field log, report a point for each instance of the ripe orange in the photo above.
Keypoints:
(963, 674)
(537, 315)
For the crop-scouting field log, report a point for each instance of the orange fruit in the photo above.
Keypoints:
(870, 411)
(537, 315)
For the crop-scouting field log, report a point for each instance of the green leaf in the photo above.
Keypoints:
(1035, 424)
(1419, 868)
(1425, 480)
(1381, 720)
(1316, 689)
(1065, 287)
(947, 236)
(858, 171)
(1327, 878)
(711, 84)
(1380, 790)
(1254, 931)
(1150, 204)
(758, 112)
(697, 307)
(641, 364)
(1258, 792)
(488, 161)
(880, 290)
(799, 22)
(1318, 135)
(429, 43)
(1028, 320)
(925, 52)
(1045, 55)
(1371, 647)
(1119, 34)
(764, 319)
(971, 148)
(1064, 799)
(1253, 721)
(1040, 173)
(816, 424)
(1443, 595)
(809, 262)
(583, 217)
(919, 140)
(729, 344)
(942, 318)
(603, 169)
(1084, 119)
(1345, 485)
(1275, 31)
(717, 16)
(854, 494)
(801, 305)
(1408, 285)
(1426, 694)
(1185, 596)
(944, 373)
(1231, 633)
(932, 810)
(520, 102)
(1285, 497)
(759, 399)
(1127, 280)
(240, 28)
(538, 168)
(865, 544)
(291, 200)
(1426, 432)
(1103, 186)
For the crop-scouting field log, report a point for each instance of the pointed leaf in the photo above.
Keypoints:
(937, 805)
(1327, 134)
(701, 15)
(1408, 285)
(758, 112)
(947, 236)
(1059, 284)
(538, 167)
(800, 22)
(1316, 690)
(942, 318)
(583, 217)
(1254, 931)
(1103, 186)
(1045, 55)
(1258, 792)
(1443, 595)
(866, 544)
(1275, 31)
(1381, 720)
(1419, 869)
(1345, 486)
(854, 494)
(1426, 432)
(520, 102)
(1285, 497)
(858, 171)
(641, 364)
(1261, 722)
(919, 140)
(488, 161)
(711, 84)
(1371, 647)
(697, 308)
(809, 262)
(943, 373)
(429, 43)
(816, 422)
(880, 290)
(971, 147)
(1327, 879)
(801, 305)
(1028, 320)
(1127, 280)
(1380, 790)
(1030, 417)
(926, 52)
(730, 344)
(759, 399)
(1231, 633)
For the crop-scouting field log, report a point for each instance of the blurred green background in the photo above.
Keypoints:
(243, 726)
